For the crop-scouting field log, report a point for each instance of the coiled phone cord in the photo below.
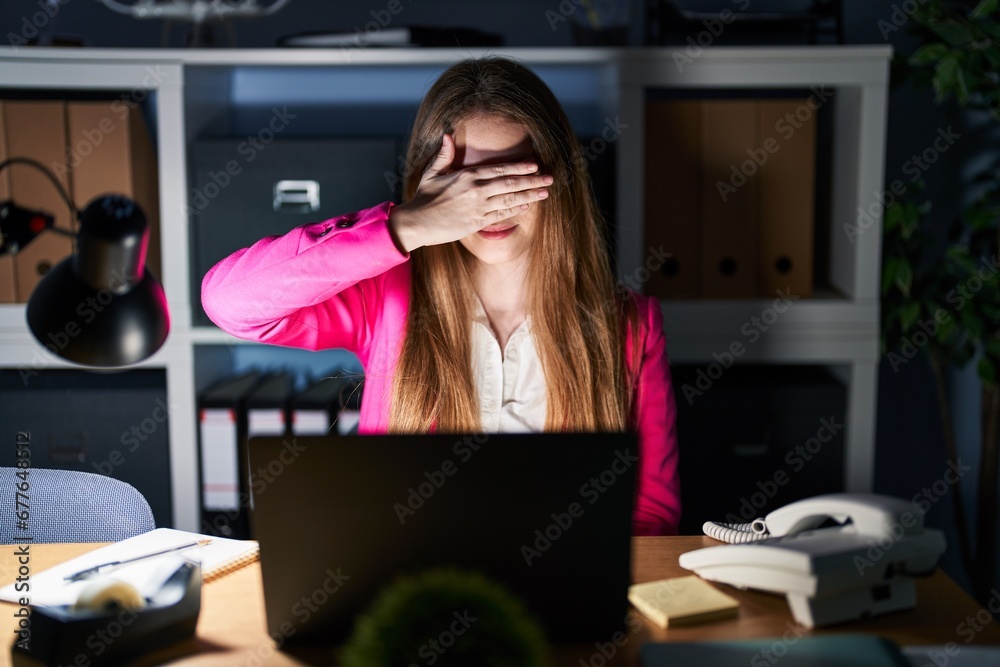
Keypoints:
(737, 533)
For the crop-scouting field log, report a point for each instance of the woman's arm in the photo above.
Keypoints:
(315, 287)
(658, 504)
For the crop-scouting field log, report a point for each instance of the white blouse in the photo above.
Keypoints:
(510, 384)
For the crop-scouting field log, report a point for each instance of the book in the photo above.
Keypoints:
(219, 556)
(681, 601)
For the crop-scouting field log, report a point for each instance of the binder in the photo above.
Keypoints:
(350, 400)
(315, 410)
(330, 405)
(672, 197)
(730, 221)
(267, 413)
(225, 474)
(787, 195)
(267, 406)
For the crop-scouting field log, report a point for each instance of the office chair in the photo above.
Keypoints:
(666, 20)
(71, 506)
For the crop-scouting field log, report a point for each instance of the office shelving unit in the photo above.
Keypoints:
(196, 93)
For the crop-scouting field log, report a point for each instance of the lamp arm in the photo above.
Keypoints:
(275, 6)
(196, 11)
(49, 175)
(118, 7)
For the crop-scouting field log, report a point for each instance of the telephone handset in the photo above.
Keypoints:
(863, 565)
(871, 515)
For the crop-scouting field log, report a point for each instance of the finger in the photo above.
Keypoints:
(511, 200)
(444, 157)
(494, 171)
(502, 214)
(508, 184)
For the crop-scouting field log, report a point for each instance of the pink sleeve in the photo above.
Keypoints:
(658, 503)
(315, 287)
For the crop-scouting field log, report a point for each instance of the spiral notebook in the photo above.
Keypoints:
(218, 556)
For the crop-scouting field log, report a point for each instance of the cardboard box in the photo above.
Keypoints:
(110, 151)
(37, 129)
(8, 289)
(672, 200)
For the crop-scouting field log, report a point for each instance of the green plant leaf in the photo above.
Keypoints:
(991, 29)
(992, 313)
(946, 76)
(982, 218)
(957, 254)
(909, 315)
(928, 54)
(992, 55)
(962, 85)
(910, 218)
(985, 8)
(946, 330)
(952, 32)
(992, 348)
(889, 270)
(904, 276)
(987, 370)
(893, 217)
(910, 224)
(971, 323)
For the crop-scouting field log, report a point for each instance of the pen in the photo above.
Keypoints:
(104, 567)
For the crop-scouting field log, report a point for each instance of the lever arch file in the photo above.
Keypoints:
(225, 473)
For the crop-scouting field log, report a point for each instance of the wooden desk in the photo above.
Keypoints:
(232, 627)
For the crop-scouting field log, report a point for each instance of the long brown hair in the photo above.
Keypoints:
(578, 317)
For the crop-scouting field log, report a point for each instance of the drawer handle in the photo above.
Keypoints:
(296, 196)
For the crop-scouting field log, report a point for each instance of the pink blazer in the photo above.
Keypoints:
(343, 283)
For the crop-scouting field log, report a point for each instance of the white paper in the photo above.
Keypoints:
(49, 587)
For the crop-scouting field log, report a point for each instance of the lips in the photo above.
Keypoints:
(497, 231)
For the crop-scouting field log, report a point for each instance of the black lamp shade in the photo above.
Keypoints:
(101, 307)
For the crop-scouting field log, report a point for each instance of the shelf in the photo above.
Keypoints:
(195, 93)
(214, 336)
(341, 101)
(12, 317)
(808, 330)
(837, 56)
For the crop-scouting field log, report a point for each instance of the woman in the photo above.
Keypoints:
(485, 301)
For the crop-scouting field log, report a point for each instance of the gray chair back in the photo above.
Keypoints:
(71, 506)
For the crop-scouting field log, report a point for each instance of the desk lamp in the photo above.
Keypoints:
(100, 306)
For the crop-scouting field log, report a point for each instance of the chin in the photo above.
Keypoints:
(493, 252)
(497, 251)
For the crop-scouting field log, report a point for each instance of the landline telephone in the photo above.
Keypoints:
(860, 566)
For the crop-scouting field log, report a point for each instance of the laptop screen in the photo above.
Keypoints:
(548, 516)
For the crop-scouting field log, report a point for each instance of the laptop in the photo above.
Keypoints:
(548, 516)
